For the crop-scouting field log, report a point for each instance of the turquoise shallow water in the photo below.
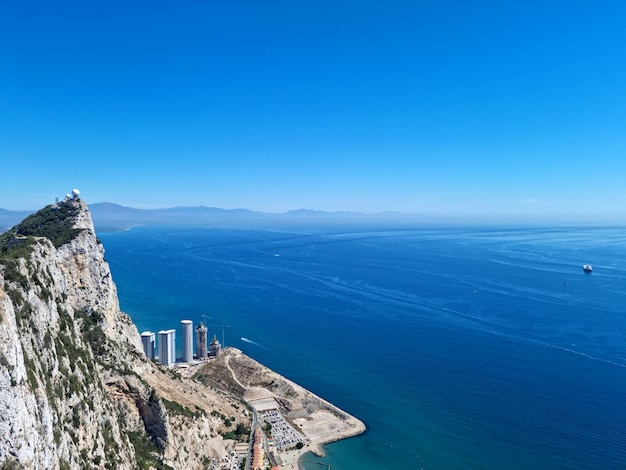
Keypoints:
(459, 348)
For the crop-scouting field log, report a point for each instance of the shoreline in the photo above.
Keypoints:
(317, 448)
(356, 426)
(316, 419)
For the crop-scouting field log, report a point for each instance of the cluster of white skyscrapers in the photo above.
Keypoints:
(167, 344)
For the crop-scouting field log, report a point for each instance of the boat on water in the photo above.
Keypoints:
(587, 268)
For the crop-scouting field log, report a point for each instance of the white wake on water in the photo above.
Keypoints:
(246, 340)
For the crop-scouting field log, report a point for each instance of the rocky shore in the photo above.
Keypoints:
(319, 421)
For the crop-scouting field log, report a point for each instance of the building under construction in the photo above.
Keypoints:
(216, 347)
(187, 336)
(201, 349)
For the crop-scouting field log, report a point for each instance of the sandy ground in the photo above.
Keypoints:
(318, 420)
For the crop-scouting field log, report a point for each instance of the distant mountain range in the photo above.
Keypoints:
(109, 216)
(10, 218)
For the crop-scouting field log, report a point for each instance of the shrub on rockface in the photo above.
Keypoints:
(146, 452)
(54, 222)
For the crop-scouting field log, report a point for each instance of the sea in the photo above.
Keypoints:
(459, 347)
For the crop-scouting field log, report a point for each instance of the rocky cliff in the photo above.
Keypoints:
(76, 390)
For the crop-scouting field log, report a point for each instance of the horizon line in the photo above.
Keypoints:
(465, 218)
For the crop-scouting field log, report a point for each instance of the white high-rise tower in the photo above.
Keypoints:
(147, 339)
(167, 347)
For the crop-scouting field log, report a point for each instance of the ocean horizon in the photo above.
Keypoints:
(469, 348)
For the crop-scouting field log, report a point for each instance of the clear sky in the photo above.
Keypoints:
(453, 108)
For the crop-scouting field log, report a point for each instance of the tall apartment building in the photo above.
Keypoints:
(148, 340)
(187, 327)
(201, 333)
(167, 347)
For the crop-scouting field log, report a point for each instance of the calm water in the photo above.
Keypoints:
(460, 349)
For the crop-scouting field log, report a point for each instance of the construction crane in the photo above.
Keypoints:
(224, 342)
(223, 327)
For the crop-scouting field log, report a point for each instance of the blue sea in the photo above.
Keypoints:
(460, 348)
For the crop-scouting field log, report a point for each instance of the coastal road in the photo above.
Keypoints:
(255, 417)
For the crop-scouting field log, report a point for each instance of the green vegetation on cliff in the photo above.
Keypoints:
(176, 408)
(54, 222)
(148, 455)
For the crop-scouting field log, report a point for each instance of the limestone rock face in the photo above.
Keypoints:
(90, 286)
(73, 388)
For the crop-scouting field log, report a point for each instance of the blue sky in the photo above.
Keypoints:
(484, 109)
